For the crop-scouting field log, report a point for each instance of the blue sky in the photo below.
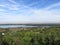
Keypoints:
(29, 11)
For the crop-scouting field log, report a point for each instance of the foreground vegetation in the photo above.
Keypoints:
(31, 36)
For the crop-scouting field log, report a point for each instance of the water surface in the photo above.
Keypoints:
(13, 26)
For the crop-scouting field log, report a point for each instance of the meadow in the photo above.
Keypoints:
(30, 36)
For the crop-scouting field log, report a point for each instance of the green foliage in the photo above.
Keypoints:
(40, 36)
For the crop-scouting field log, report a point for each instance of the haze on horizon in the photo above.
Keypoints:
(29, 11)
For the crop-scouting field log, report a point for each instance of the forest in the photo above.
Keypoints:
(30, 36)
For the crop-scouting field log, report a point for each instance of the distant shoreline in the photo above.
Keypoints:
(26, 25)
(34, 24)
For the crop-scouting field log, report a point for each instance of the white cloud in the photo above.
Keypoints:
(13, 7)
(30, 15)
(53, 5)
(34, 3)
(2, 10)
(2, 5)
(12, 1)
(36, 16)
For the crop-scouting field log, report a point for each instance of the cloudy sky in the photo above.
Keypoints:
(29, 11)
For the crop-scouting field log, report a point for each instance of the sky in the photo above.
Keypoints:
(29, 11)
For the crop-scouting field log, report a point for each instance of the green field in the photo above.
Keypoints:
(30, 36)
